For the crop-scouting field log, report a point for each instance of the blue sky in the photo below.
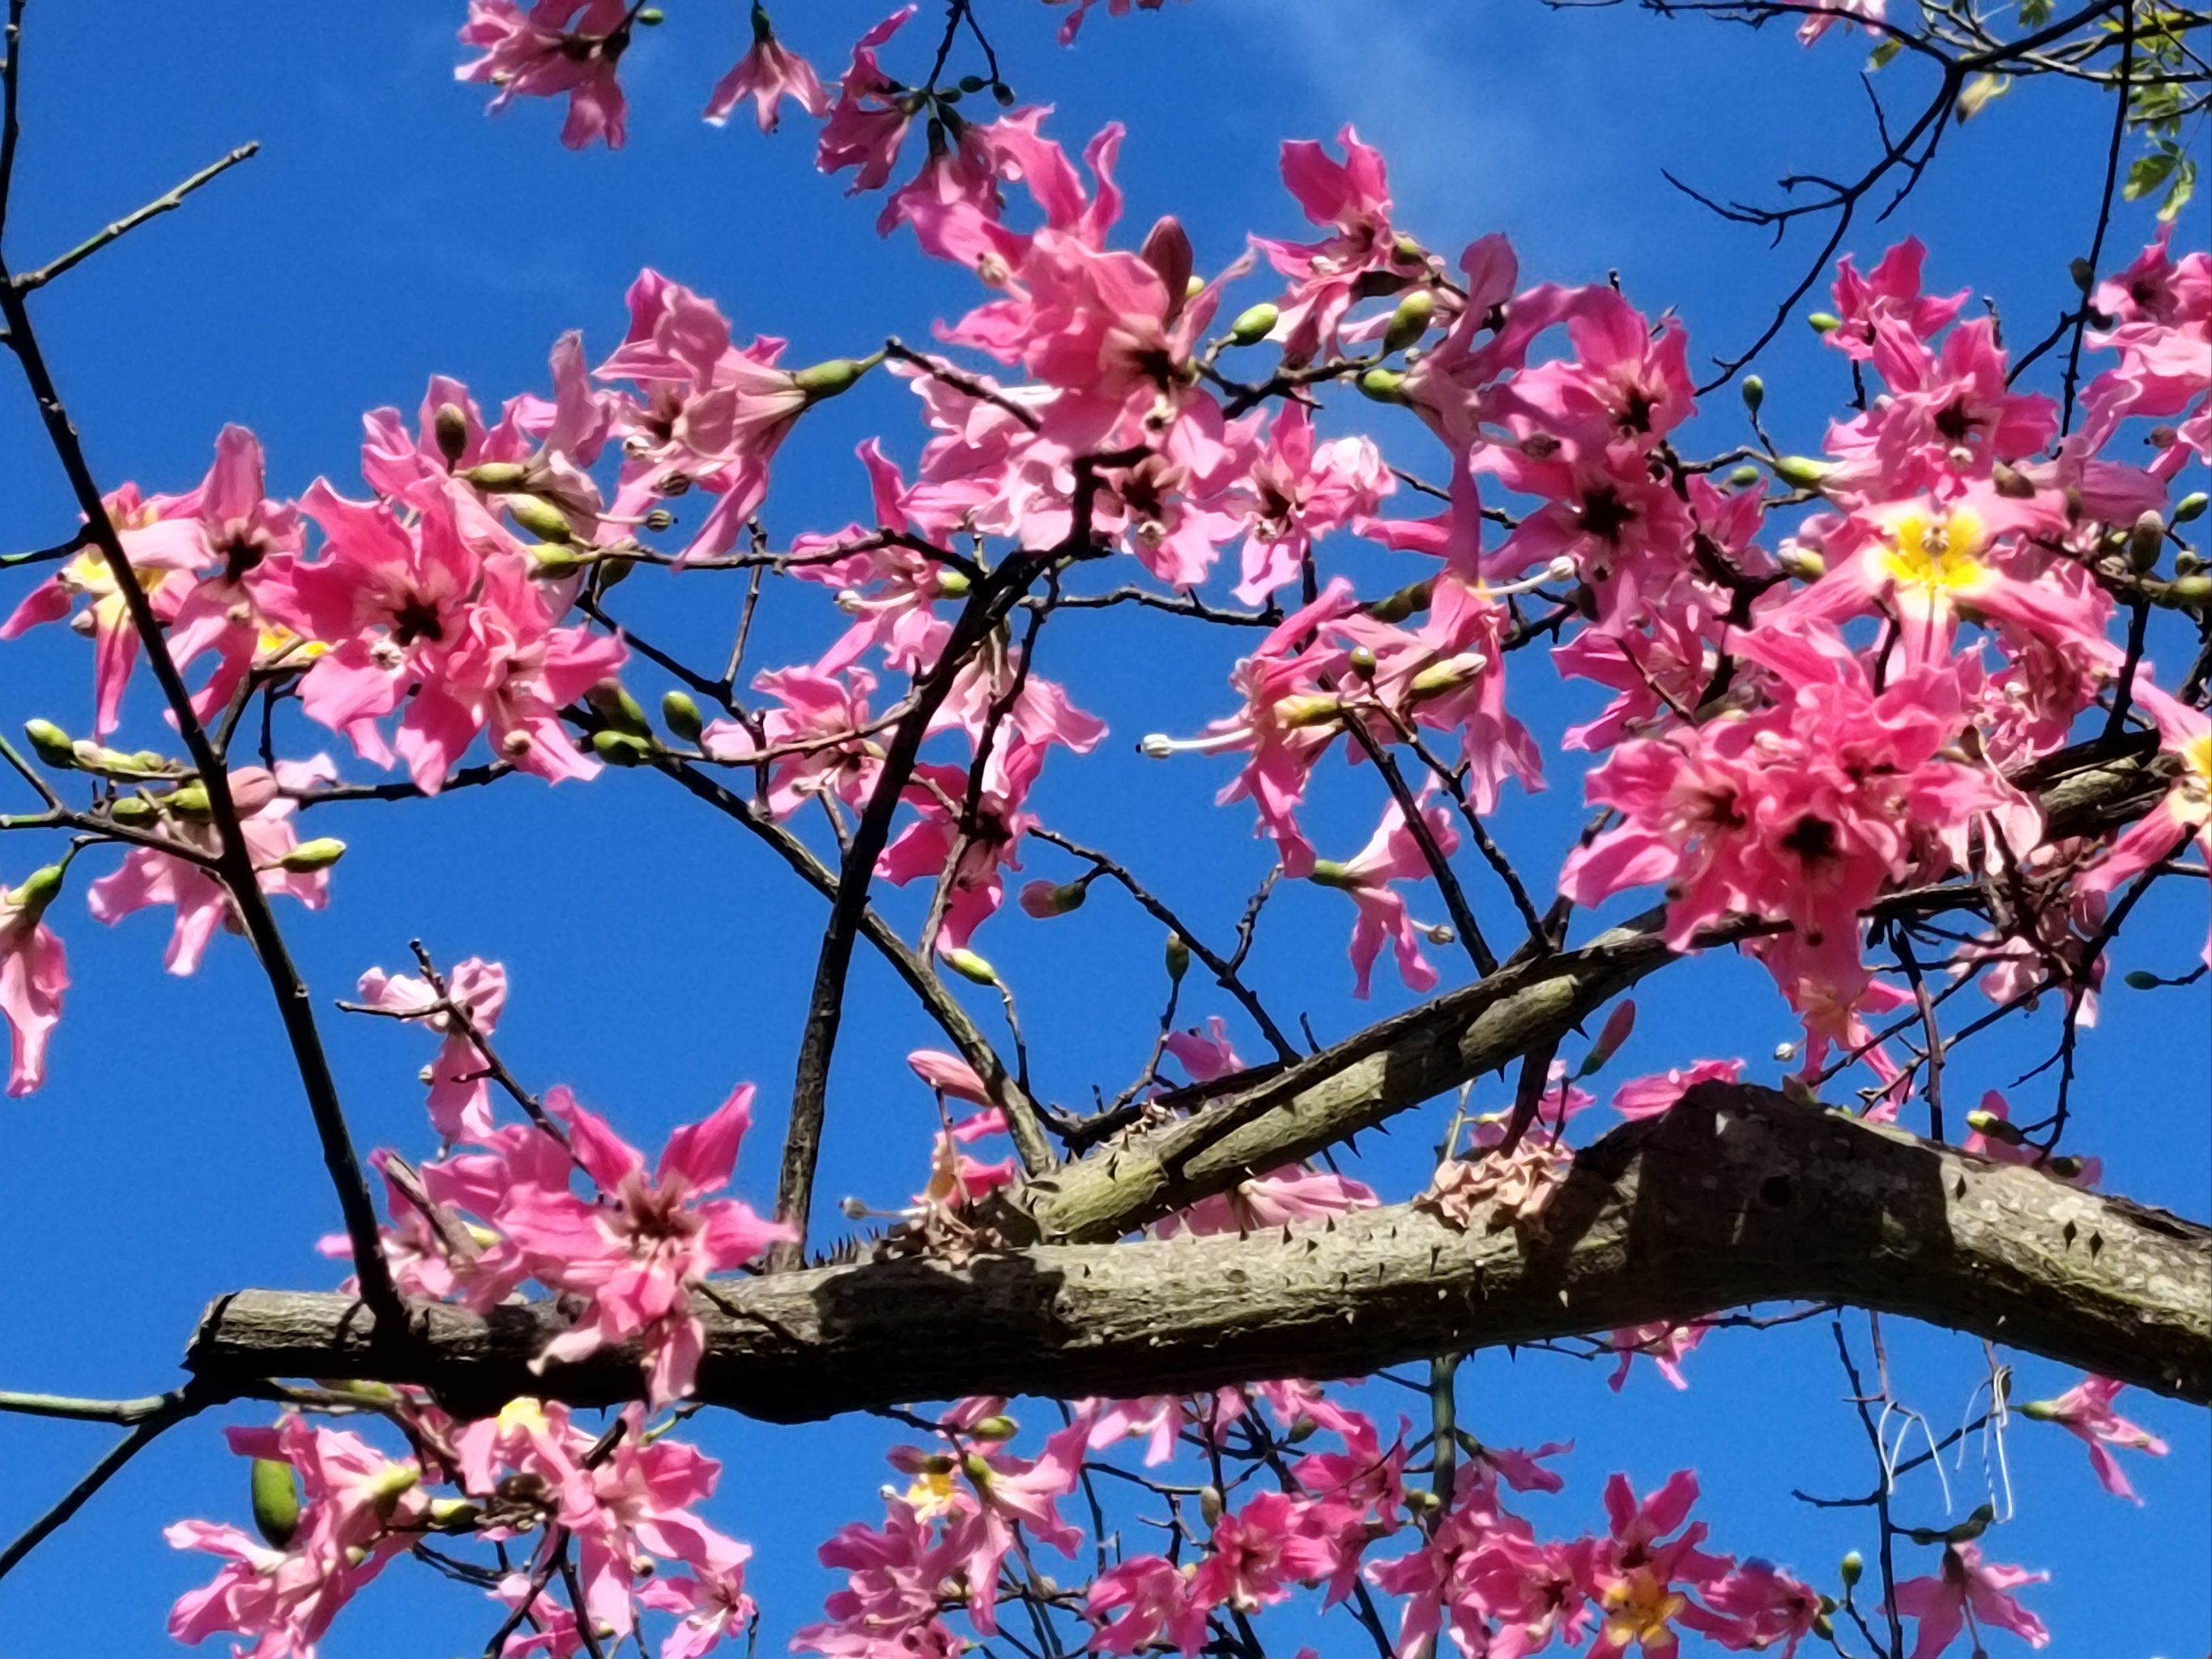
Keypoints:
(388, 230)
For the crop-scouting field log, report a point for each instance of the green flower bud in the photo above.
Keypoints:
(659, 520)
(1802, 563)
(318, 854)
(540, 518)
(611, 702)
(1446, 676)
(2083, 273)
(1303, 709)
(1801, 470)
(953, 584)
(454, 1515)
(132, 810)
(1178, 956)
(40, 888)
(1990, 1127)
(999, 1426)
(449, 424)
(976, 1466)
(275, 1492)
(1302, 1431)
(971, 967)
(2192, 589)
(497, 475)
(1754, 392)
(2191, 507)
(1824, 322)
(621, 748)
(652, 17)
(2136, 980)
(2065, 1166)
(1854, 1569)
(1209, 1504)
(1410, 321)
(1363, 661)
(1004, 94)
(1406, 248)
(1396, 607)
(190, 801)
(1383, 384)
(51, 744)
(681, 715)
(1254, 324)
(2146, 537)
(1745, 476)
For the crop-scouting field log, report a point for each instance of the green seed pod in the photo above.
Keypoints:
(495, 475)
(1177, 956)
(190, 801)
(971, 967)
(547, 560)
(318, 854)
(1254, 324)
(2191, 507)
(132, 810)
(620, 748)
(1410, 321)
(1824, 322)
(1744, 476)
(1396, 607)
(540, 518)
(276, 1493)
(51, 744)
(449, 425)
(1754, 392)
(681, 715)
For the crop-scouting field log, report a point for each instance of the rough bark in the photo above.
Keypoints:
(1737, 1196)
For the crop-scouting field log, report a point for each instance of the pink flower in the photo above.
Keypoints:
(1141, 1601)
(712, 1600)
(1818, 23)
(1888, 296)
(816, 728)
(1391, 854)
(1648, 1096)
(1260, 1203)
(1663, 1344)
(768, 74)
(2184, 733)
(1966, 1588)
(865, 130)
(637, 1253)
(460, 1101)
(2085, 1410)
(1296, 491)
(34, 974)
(1207, 1055)
(202, 902)
(556, 46)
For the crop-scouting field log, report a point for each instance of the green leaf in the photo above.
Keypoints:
(1888, 49)
(2034, 13)
(2178, 192)
(2147, 173)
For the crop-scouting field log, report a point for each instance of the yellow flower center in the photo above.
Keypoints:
(1932, 559)
(1639, 1608)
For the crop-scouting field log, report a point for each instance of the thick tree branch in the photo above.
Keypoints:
(1738, 1195)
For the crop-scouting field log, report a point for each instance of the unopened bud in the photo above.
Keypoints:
(449, 425)
(681, 715)
(659, 520)
(1785, 1052)
(652, 16)
(1801, 562)
(1045, 899)
(454, 1515)
(1410, 321)
(1745, 476)
(1448, 675)
(1990, 1127)
(1209, 1504)
(275, 1494)
(620, 748)
(190, 801)
(1362, 661)
(495, 475)
(310, 855)
(1254, 324)
(52, 744)
(997, 1426)
(1824, 322)
(1853, 1568)
(1303, 709)
(1177, 956)
(2191, 590)
(1383, 384)
(1302, 1429)
(133, 808)
(2191, 507)
(953, 584)
(2137, 979)
(2065, 1166)
(976, 1466)
(1754, 392)
(1396, 607)
(2146, 538)
(1406, 248)
(971, 967)
(540, 516)
(611, 702)
(828, 379)
(2083, 273)
(1615, 1032)
(1801, 470)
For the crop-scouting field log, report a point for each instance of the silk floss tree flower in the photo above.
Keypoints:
(34, 974)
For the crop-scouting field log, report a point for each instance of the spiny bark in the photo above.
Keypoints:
(1737, 1196)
